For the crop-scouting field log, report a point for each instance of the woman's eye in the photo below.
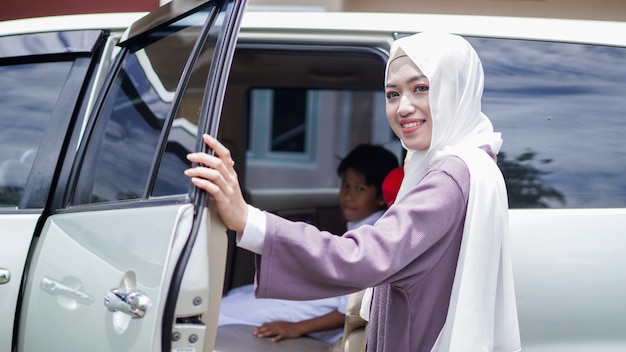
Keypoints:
(421, 88)
(391, 95)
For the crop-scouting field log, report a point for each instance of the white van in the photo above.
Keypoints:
(105, 245)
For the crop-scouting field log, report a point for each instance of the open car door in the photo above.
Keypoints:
(130, 257)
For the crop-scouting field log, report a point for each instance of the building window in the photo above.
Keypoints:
(284, 124)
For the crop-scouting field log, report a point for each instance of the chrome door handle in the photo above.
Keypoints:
(58, 289)
(5, 276)
(134, 303)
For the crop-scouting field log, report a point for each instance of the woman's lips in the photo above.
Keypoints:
(410, 126)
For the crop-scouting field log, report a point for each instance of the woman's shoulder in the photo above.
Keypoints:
(453, 166)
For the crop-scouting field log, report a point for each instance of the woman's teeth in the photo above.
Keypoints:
(412, 124)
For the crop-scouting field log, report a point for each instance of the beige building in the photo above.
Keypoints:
(614, 10)
(585, 9)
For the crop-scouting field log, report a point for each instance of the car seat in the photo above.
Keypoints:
(355, 328)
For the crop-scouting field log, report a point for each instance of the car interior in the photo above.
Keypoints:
(288, 68)
(325, 77)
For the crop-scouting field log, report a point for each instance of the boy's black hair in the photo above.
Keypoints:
(373, 161)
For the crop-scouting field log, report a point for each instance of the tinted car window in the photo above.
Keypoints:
(562, 113)
(182, 135)
(28, 97)
(122, 150)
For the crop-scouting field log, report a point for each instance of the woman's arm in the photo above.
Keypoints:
(301, 262)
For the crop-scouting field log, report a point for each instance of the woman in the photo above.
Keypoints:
(438, 259)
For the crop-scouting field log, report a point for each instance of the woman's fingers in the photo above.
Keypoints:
(222, 158)
(220, 150)
(216, 175)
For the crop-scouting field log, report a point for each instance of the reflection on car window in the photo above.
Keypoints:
(561, 110)
(29, 95)
(184, 130)
(119, 160)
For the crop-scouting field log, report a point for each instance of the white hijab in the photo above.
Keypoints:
(482, 315)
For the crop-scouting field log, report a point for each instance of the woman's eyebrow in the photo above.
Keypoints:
(410, 80)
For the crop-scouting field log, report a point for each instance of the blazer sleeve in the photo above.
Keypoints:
(301, 262)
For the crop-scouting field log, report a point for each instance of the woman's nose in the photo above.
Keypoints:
(406, 106)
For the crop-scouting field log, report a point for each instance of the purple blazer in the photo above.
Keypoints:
(409, 256)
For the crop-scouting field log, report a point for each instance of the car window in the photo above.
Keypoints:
(121, 153)
(181, 140)
(561, 110)
(29, 95)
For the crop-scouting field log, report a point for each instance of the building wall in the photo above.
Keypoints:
(578, 9)
(14, 9)
(586, 9)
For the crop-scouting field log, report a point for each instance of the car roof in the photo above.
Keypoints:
(108, 21)
(357, 23)
(577, 31)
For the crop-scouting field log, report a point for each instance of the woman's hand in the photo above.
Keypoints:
(217, 176)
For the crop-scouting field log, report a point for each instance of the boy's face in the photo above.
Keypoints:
(358, 199)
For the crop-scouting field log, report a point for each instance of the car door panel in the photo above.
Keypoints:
(93, 253)
(16, 240)
(567, 281)
(201, 294)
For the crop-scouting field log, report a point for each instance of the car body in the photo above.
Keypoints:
(97, 118)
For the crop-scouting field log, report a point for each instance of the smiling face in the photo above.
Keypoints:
(357, 198)
(408, 107)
